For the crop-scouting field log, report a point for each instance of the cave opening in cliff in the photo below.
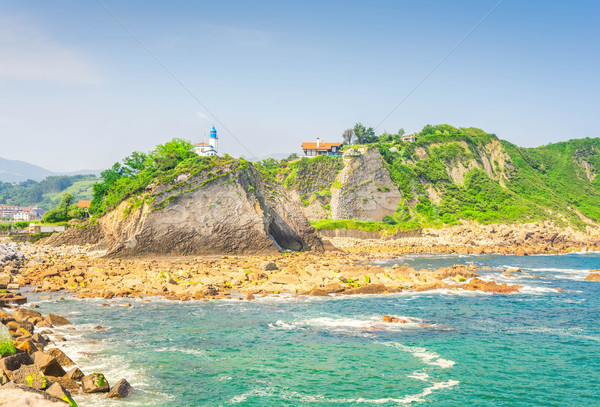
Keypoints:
(284, 236)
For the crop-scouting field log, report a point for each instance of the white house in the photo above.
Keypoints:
(210, 148)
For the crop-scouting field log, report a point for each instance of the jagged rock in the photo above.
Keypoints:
(58, 391)
(19, 395)
(240, 212)
(120, 390)
(56, 320)
(14, 362)
(23, 314)
(94, 383)
(48, 364)
(28, 346)
(60, 357)
(31, 375)
(75, 374)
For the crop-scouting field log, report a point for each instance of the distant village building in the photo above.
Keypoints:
(210, 148)
(321, 148)
(410, 138)
(19, 213)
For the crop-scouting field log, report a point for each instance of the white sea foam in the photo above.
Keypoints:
(295, 396)
(428, 357)
(419, 376)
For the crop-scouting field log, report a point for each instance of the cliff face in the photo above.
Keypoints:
(365, 191)
(443, 179)
(235, 211)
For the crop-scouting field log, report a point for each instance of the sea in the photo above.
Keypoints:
(538, 347)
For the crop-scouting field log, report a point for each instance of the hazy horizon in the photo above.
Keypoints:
(79, 92)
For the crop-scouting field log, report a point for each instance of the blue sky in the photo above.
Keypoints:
(77, 91)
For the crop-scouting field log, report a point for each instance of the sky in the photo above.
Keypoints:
(78, 91)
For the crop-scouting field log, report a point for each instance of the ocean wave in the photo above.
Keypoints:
(345, 324)
(428, 357)
(295, 396)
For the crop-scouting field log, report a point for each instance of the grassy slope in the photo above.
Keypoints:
(543, 183)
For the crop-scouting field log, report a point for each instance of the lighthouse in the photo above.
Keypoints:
(214, 140)
(205, 149)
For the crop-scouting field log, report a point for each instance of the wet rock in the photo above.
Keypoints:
(31, 375)
(120, 390)
(64, 381)
(75, 374)
(48, 364)
(24, 314)
(60, 357)
(56, 320)
(316, 292)
(58, 391)
(95, 383)
(593, 277)
(368, 289)
(491, 287)
(249, 297)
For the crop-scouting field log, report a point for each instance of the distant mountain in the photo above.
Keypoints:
(19, 171)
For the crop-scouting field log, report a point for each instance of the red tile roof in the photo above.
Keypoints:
(322, 146)
(84, 204)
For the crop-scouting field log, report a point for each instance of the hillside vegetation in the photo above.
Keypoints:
(47, 193)
(447, 176)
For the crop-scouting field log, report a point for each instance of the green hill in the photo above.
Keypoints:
(448, 176)
(47, 193)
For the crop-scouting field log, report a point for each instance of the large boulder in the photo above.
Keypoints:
(31, 375)
(60, 357)
(58, 391)
(20, 395)
(95, 383)
(48, 364)
(14, 362)
(120, 390)
(56, 320)
(75, 374)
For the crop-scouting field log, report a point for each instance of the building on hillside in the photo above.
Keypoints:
(208, 149)
(21, 216)
(19, 213)
(85, 205)
(321, 148)
(410, 138)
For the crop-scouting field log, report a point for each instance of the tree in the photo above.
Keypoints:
(64, 212)
(348, 136)
(364, 135)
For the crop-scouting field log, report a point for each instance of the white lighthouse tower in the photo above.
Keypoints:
(214, 140)
(207, 149)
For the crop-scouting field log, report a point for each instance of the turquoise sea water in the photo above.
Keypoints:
(540, 347)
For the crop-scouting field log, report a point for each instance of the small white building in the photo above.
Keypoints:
(210, 148)
(410, 138)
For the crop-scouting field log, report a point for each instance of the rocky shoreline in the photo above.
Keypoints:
(32, 366)
(35, 371)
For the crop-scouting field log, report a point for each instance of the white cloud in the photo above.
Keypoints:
(201, 115)
(27, 54)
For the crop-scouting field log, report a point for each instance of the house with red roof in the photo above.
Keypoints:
(320, 147)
